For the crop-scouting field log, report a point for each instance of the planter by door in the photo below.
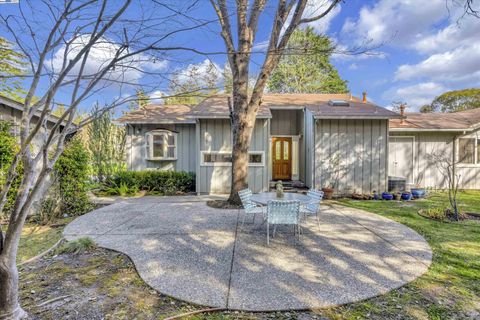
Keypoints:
(282, 158)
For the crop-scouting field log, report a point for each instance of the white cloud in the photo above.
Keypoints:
(353, 66)
(416, 95)
(459, 65)
(129, 70)
(395, 21)
(198, 71)
(464, 33)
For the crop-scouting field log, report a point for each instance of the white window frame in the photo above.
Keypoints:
(149, 144)
(476, 159)
(229, 164)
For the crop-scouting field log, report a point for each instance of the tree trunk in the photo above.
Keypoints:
(9, 306)
(243, 122)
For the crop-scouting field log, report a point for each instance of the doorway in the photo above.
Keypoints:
(282, 158)
(401, 157)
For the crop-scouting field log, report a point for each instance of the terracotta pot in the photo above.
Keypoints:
(328, 193)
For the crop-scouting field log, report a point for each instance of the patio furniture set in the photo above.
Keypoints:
(288, 210)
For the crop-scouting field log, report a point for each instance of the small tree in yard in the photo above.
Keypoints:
(75, 49)
(287, 17)
(447, 167)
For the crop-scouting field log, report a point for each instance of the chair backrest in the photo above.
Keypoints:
(245, 196)
(316, 196)
(283, 212)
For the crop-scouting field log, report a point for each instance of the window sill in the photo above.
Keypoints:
(468, 165)
(161, 159)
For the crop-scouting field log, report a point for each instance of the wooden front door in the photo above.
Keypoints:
(282, 158)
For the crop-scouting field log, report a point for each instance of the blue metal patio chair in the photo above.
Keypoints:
(249, 206)
(314, 206)
(283, 212)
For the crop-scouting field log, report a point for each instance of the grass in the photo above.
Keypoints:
(450, 289)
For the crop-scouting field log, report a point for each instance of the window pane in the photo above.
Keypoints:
(278, 150)
(255, 158)
(216, 157)
(171, 152)
(286, 150)
(158, 145)
(171, 140)
(466, 150)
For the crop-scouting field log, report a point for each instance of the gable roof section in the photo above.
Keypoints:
(456, 121)
(6, 101)
(216, 107)
(159, 113)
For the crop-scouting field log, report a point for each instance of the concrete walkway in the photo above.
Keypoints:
(192, 252)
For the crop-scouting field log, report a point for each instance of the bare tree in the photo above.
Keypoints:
(76, 50)
(288, 16)
(447, 165)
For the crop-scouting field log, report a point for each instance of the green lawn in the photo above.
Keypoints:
(451, 288)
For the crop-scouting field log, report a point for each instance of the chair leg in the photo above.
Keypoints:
(268, 234)
(274, 229)
(318, 220)
(254, 214)
(244, 216)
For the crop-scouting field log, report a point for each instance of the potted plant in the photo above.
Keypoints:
(387, 196)
(335, 170)
(418, 192)
(279, 189)
(328, 192)
(407, 196)
(397, 196)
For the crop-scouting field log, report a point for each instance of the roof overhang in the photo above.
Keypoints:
(350, 117)
(192, 121)
(429, 130)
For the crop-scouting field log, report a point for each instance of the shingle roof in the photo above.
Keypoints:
(463, 120)
(159, 113)
(217, 107)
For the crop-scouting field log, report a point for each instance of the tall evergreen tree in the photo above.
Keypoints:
(305, 66)
(11, 71)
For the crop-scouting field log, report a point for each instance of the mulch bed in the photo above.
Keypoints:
(463, 216)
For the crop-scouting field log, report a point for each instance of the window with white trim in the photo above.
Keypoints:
(212, 158)
(161, 145)
(469, 150)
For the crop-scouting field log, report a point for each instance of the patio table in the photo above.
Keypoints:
(263, 197)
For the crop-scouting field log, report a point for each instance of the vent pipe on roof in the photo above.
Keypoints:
(364, 99)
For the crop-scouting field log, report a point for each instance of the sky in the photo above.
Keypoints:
(416, 50)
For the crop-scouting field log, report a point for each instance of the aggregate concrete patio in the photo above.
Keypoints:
(185, 249)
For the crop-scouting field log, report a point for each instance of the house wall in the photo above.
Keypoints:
(186, 148)
(426, 168)
(361, 147)
(216, 135)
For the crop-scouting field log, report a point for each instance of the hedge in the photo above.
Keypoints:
(154, 181)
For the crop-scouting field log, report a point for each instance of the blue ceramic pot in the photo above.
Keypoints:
(407, 196)
(387, 196)
(418, 193)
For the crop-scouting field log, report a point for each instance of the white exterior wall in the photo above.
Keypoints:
(426, 172)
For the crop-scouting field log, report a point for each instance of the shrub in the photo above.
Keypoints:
(71, 171)
(154, 182)
(77, 246)
(8, 149)
(435, 213)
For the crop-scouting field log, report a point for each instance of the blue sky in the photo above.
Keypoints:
(419, 50)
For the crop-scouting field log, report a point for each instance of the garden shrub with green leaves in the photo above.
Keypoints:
(8, 149)
(152, 181)
(71, 172)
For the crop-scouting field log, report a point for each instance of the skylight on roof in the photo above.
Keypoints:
(339, 103)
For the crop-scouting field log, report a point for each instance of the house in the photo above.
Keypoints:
(317, 139)
(416, 141)
(11, 111)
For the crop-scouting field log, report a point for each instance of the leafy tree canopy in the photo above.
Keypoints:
(11, 70)
(305, 66)
(453, 101)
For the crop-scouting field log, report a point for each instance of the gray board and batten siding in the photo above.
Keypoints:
(351, 153)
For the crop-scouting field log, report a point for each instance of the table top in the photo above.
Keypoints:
(263, 197)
